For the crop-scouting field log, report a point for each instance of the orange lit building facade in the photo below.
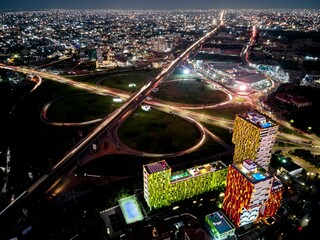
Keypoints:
(270, 207)
(248, 190)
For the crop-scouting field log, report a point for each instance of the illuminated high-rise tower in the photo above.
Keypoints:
(247, 192)
(251, 191)
(254, 137)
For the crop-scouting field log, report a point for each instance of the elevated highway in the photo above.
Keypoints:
(72, 157)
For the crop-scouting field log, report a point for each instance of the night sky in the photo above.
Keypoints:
(157, 4)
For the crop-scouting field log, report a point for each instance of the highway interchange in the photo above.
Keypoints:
(72, 157)
(70, 161)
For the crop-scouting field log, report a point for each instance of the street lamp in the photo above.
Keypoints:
(186, 71)
(243, 88)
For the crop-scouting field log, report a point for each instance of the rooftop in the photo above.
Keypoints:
(255, 175)
(252, 78)
(220, 222)
(257, 119)
(197, 171)
(276, 185)
(157, 167)
(290, 166)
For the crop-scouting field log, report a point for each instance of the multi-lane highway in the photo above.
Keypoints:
(70, 159)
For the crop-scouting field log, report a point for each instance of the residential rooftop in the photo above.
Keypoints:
(157, 167)
(257, 119)
(220, 222)
(186, 173)
(252, 171)
(197, 171)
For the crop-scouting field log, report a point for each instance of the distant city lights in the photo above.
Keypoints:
(240, 57)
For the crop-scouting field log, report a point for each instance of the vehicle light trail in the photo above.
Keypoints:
(115, 117)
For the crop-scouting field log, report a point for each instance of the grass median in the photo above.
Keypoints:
(158, 132)
(80, 108)
(190, 91)
(120, 80)
(228, 112)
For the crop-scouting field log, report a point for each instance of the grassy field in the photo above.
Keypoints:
(222, 133)
(158, 132)
(178, 73)
(120, 80)
(292, 132)
(122, 165)
(227, 112)
(81, 107)
(34, 144)
(189, 92)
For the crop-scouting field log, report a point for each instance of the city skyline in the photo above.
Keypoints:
(161, 5)
(112, 117)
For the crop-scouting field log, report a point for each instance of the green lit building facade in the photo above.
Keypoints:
(163, 188)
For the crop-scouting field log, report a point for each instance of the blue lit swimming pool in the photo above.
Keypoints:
(266, 124)
(258, 176)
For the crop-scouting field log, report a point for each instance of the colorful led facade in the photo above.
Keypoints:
(156, 181)
(248, 187)
(270, 207)
(162, 188)
(254, 138)
(251, 192)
